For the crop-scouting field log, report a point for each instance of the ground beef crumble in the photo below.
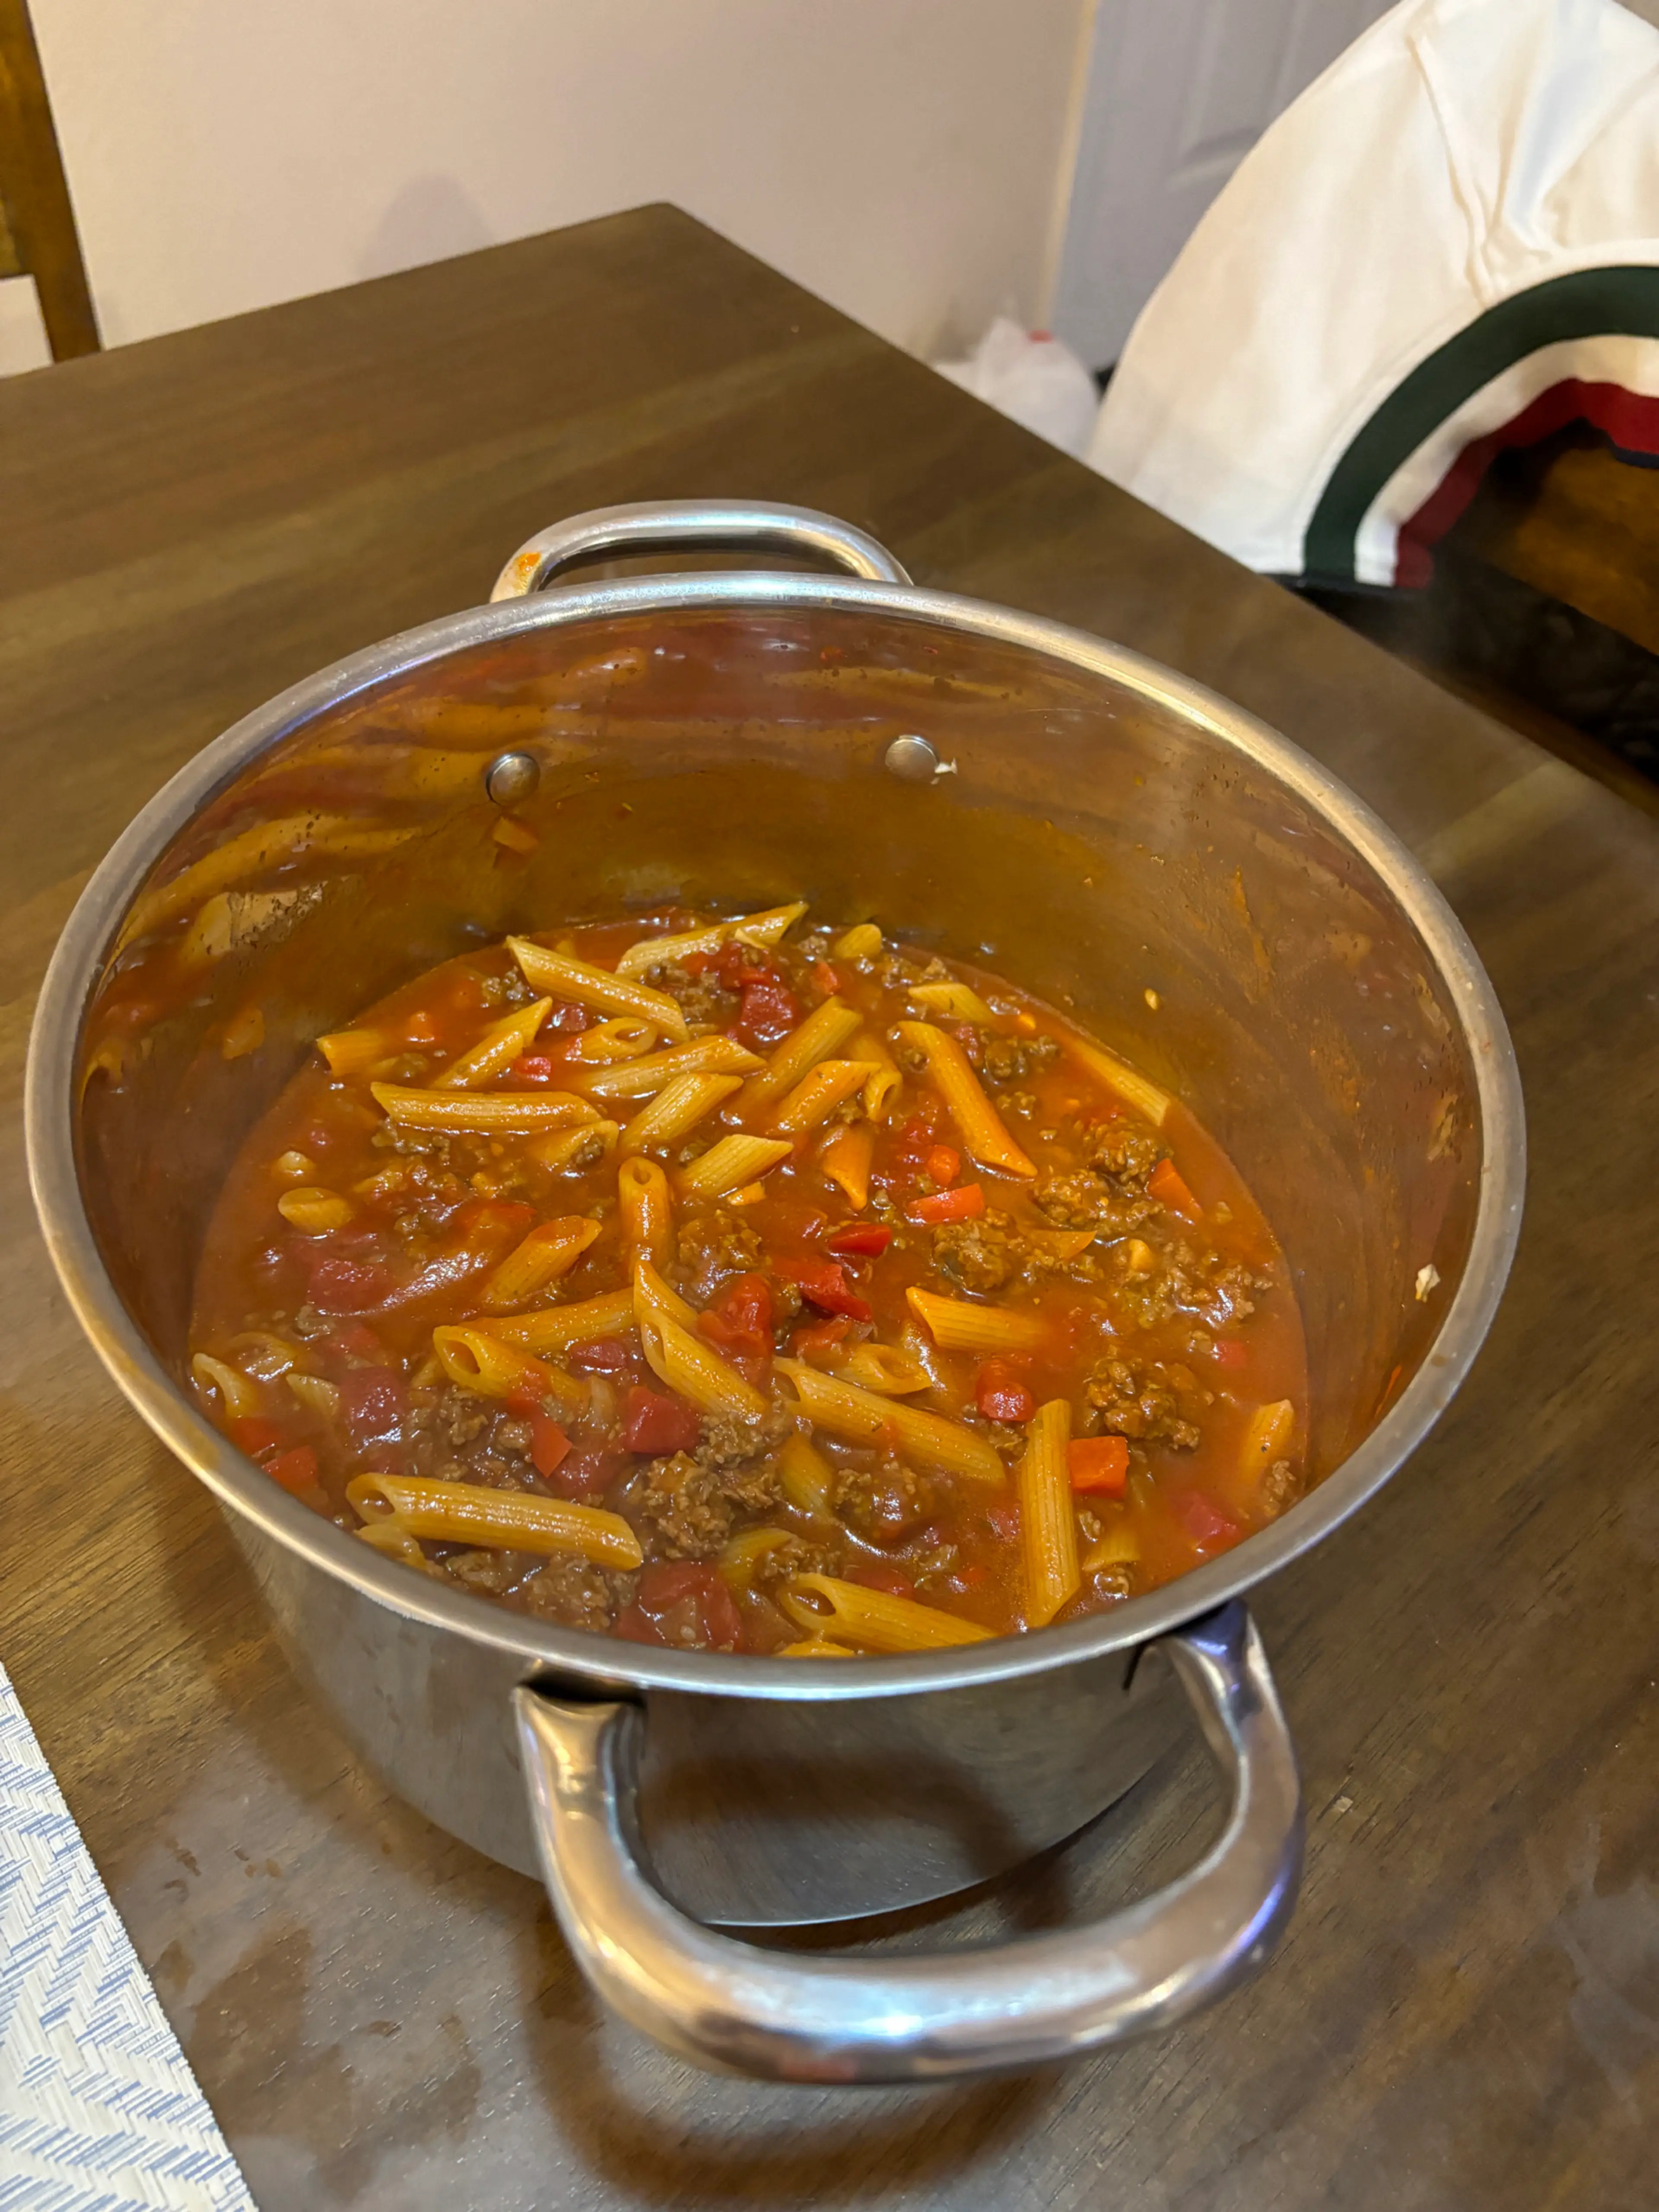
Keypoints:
(984, 1255)
(1080, 1199)
(885, 1504)
(699, 998)
(1148, 1401)
(713, 1247)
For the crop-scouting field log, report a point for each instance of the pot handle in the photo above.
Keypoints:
(737, 2008)
(700, 525)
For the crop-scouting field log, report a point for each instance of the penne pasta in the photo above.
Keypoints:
(1062, 1243)
(517, 1519)
(649, 1285)
(876, 1619)
(1266, 1437)
(819, 1091)
(319, 1212)
(861, 1417)
(983, 1134)
(495, 1050)
(957, 1001)
(761, 930)
(238, 1394)
(1119, 1546)
(732, 1164)
(354, 1052)
(1048, 1516)
(551, 1250)
(684, 1360)
(639, 1078)
(846, 1158)
(481, 1362)
(825, 1029)
(556, 1329)
(884, 1369)
(582, 1146)
(391, 1537)
(886, 1080)
(484, 1113)
(676, 1110)
(861, 942)
(624, 1037)
(294, 1167)
(742, 1555)
(812, 1647)
(808, 1478)
(958, 1325)
(565, 978)
(648, 1210)
(316, 1395)
(1131, 1086)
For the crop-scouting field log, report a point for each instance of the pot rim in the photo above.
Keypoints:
(605, 1666)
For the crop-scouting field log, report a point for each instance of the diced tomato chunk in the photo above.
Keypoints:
(348, 1286)
(1230, 1353)
(1000, 1392)
(1004, 1517)
(532, 1067)
(587, 1471)
(877, 1575)
(824, 1284)
(295, 1468)
(826, 978)
(769, 1012)
(1100, 1464)
(942, 1163)
(1209, 1528)
(253, 1434)
(548, 1444)
(918, 1136)
(374, 1402)
(653, 1423)
(685, 1604)
(817, 1342)
(860, 1240)
(607, 1354)
(966, 1204)
(487, 1222)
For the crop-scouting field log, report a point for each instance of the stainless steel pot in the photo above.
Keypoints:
(994, 784)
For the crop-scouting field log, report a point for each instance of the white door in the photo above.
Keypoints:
(1178, 91)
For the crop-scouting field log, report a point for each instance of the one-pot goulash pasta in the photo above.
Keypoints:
(745, 1286)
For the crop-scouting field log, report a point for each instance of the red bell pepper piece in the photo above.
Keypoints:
(1169, 1187)
(1231, 1353)
(965, 1204)
(824, 1283)
(653, 1423)
(253, 1434)
(295, 1468)
(825, 977)
(1098, 1464)
(860, 1240)
(548, 1444)
(1000, 1392)
(942, 1164)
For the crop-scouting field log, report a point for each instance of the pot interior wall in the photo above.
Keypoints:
(1090, 841)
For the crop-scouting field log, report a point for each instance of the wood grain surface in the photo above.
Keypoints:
(1465, 2017)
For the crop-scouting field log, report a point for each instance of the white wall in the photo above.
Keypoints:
(901, 157)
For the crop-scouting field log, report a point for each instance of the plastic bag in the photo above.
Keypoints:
(1033, 377)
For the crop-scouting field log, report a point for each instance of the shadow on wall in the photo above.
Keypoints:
(431, 219)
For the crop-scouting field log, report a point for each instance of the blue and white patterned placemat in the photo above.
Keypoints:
(99, 2110)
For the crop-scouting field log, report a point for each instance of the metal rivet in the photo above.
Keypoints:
(511, 777)
(912, 759)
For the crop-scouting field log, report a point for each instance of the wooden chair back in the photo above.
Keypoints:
(38, 237)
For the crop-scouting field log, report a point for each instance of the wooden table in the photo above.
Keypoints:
(1466, 2014)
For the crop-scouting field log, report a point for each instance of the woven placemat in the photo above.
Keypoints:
(99, 2109)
